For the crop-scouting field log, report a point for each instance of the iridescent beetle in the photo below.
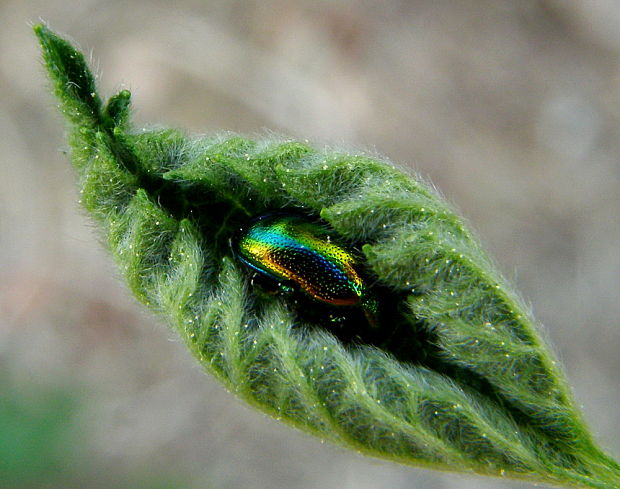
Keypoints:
(291, 248)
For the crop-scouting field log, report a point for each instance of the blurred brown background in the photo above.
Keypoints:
(510, 107)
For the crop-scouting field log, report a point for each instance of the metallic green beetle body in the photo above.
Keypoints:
(289, 247)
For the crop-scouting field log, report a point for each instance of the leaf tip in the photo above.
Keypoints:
(39, 29)
(72, 81)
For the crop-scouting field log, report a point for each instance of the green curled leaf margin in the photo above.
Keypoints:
(498, 405)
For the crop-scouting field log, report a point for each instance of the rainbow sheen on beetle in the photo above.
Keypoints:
(292, 248)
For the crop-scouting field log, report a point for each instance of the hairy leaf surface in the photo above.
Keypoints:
(454, 377)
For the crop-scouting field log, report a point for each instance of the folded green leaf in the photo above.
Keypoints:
(455, 376)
